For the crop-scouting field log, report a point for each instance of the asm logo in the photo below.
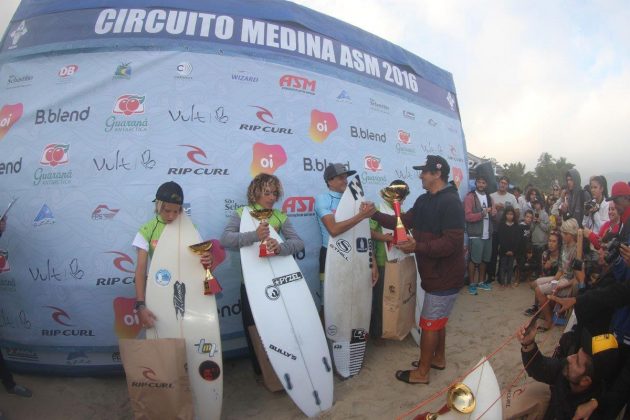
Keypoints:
(121, 259)
(58, 314)
(194, 154)
(149, 373)
(264, 115)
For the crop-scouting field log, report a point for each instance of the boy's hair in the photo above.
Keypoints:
(159, 204)
(259, 183)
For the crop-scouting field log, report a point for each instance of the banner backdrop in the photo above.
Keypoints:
(103, 102)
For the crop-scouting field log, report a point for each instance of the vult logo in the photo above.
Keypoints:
(9, 115)
(322, 125)
(267, 158)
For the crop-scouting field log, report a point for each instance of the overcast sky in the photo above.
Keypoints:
(531, 76)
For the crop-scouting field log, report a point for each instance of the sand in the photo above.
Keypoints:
(478, 326)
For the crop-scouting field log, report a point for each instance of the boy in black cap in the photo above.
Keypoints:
(336, 178)
(169, 199)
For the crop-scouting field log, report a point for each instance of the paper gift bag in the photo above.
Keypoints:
(399, 298)
(157, 380)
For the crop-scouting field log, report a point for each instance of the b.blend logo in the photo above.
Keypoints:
(50, 116)
(298, 84)
(316, 165)
(44, 216)
(53, 155)
(366, 134)
(9, 115)
(61, 317)
(102, 212)
(197, 156)
(267, 158)
(299, 206)
(126, 320)
(126, 106)
(372, 163)
(266, 116)
(322, 125)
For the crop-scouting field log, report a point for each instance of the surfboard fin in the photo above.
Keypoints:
(288, 379)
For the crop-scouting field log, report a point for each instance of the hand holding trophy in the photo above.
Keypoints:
(393, 195)
(263, 216)
(210, 285)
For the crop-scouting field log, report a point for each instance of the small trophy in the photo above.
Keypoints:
(263, 216)
(210, 285)
(394, 194)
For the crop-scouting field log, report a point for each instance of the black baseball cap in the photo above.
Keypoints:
(435, 163)
(170, 192)
(336, 169)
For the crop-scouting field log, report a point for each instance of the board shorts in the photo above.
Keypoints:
(436, 310)
(544, 284)
(480, 250)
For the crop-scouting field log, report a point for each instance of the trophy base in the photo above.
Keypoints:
(211, 287)
(400, 235)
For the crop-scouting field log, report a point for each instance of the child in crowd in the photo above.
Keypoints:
(509, 238)
(524, 255)
(549, 263)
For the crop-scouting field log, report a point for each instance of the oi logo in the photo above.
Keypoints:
(322, 124)
(267, 158)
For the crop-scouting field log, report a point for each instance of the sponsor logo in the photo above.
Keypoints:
(102, 212)
(126, 320)
(230, 205)
(356, 188)
(77, 358)
(322, 125)
(245, 76)
(6, 284)
(4, 261)
(20, 320)
(43, 116)
(9, 115)
(14, 353)
(431, 149)
(368, 179)
(61, 317)
(209, 370)
(162, 277)
(372, 163)
(458, 175)
(53, 155)
(18, 33)
(344, 97)
(287, 278)
(298, 84)
(66, 73)
(267, 158)
(283, 352)
(432, 122)
(453, 154)
(272, 292)
(299, 206)
(358, 335)
(378, 106)
(179, 299)
(123, 71)
(404, 137)
(7, 168)
(362, 245)
(126, 106)
(451, 101)
(332, 330)
(342, 247)
(14, 81)
(409, 115)
(184, 70)
(227, 311)
(405, 173)
(197, 156)
(206, 348)
(45, 216)
(121, 261)
(120, 162)
(152, 380)
(316, 165)
(195, 116)
(403, 144)
(365, 134)
(265, 116)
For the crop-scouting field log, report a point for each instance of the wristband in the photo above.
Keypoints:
(139, 305)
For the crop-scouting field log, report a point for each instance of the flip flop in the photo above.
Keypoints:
(416, 364)
(403, 376)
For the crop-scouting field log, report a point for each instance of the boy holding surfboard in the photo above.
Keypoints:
(437, 220)
(168, 206)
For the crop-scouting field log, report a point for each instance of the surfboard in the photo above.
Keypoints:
(288, 323)
(394, 253)
(485, 387)
(175, 295)
(348, 285)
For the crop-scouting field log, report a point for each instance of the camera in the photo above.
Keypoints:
(612, 252)
(591, 206)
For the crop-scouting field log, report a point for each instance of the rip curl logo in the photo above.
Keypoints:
(264, 115)
(194, 154)
(149, 373)
(122, 259)
(58, 314)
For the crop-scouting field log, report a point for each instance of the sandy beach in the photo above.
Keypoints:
(478, 326)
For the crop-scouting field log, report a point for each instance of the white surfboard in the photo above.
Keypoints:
(175, 295)
(394, 253)
(288, 324)
(485, 387)
(348, 285)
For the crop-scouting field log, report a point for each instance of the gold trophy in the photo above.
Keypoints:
(394, 194)
(210, 285)
(263, 215)
(459, 398)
